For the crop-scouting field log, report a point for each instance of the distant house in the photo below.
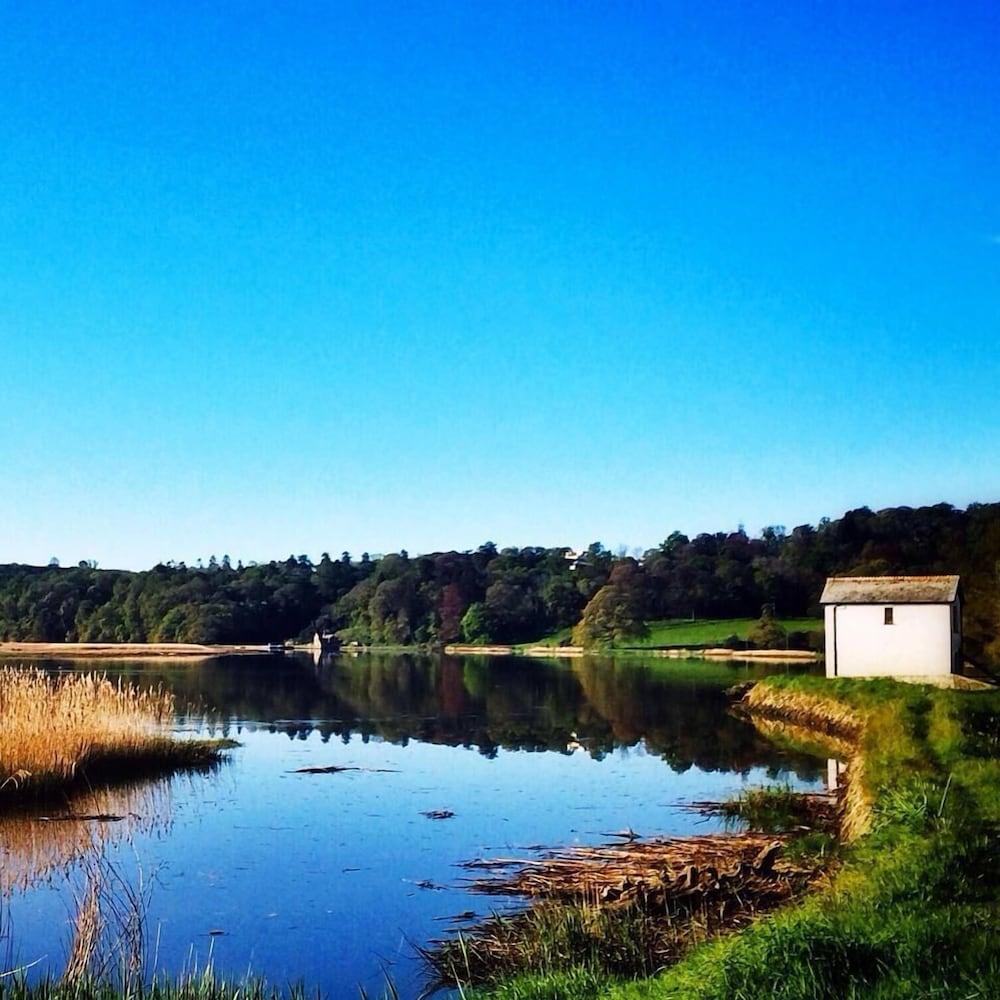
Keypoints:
(892, 626)
(325, 642)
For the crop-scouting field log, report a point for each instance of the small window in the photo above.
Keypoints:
(888, 616)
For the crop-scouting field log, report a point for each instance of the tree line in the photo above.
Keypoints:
(511, 595)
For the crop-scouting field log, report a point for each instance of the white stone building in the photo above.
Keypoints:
(892, 626)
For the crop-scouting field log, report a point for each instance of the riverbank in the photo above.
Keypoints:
(181, 651)
(911, 911)
(574, 652)
(122, 650)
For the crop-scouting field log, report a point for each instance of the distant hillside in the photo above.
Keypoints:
(511, 595)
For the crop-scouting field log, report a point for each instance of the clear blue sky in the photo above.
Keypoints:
(320, 276)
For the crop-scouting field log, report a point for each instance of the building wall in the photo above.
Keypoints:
(919, 642)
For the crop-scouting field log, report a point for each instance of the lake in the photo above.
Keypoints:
(335, 878)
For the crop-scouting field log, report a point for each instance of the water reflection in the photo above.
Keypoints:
(677, 709)
(364, 874)
(35, 845)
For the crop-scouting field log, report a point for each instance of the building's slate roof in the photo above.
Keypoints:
(890, 590)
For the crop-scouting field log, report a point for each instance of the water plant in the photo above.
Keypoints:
(621, 909)
(66, 730)
(778, 809)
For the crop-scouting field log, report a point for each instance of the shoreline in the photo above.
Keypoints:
(124, 650)
(911, 897)
(198, 651)
(681, 653)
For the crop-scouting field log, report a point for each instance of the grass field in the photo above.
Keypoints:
(701, 632)
(913, 911)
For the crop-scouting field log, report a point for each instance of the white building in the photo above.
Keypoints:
(892, 626)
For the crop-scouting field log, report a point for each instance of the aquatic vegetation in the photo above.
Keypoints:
(775, 809)
(198, 986)
(621, 909)
(64, 730)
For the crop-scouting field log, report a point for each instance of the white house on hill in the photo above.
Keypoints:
(892, 626)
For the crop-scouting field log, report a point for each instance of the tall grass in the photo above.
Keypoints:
(57, 731)
(200, 986)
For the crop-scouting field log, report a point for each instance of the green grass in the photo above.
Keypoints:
(778, 809)
(701, 632)
(913, 911)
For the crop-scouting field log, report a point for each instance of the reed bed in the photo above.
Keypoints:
(622, 909)
(196, 986)
(60, 731)
(673, 872)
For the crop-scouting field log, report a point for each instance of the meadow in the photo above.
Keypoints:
(697, 632)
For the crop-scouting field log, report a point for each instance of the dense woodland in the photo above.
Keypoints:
(511, 594)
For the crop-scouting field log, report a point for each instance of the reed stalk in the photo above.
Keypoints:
(60, 731)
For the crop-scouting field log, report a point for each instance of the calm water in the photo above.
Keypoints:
(332, 878)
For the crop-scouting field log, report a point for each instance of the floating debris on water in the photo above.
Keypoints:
(627, 834)
(338, 768)
(426, 883)
(654, 898)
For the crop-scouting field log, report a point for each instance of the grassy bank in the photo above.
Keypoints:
(702, 632)
(914, 907)
(60, 732)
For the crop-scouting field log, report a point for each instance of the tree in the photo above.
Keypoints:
(451, 610)
(612, 615)
(477, 625)
(767, 633)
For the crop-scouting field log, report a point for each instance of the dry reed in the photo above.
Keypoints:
(676, 870)
(626, 909)
(109, 930)
(818, 714)
(56, 731)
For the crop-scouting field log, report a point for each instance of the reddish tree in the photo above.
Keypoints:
(451, 607)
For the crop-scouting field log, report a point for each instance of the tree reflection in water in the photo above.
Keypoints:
(677, 709)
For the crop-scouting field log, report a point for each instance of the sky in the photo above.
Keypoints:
(325, 276)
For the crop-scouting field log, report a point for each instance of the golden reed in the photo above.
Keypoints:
(56, 730)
